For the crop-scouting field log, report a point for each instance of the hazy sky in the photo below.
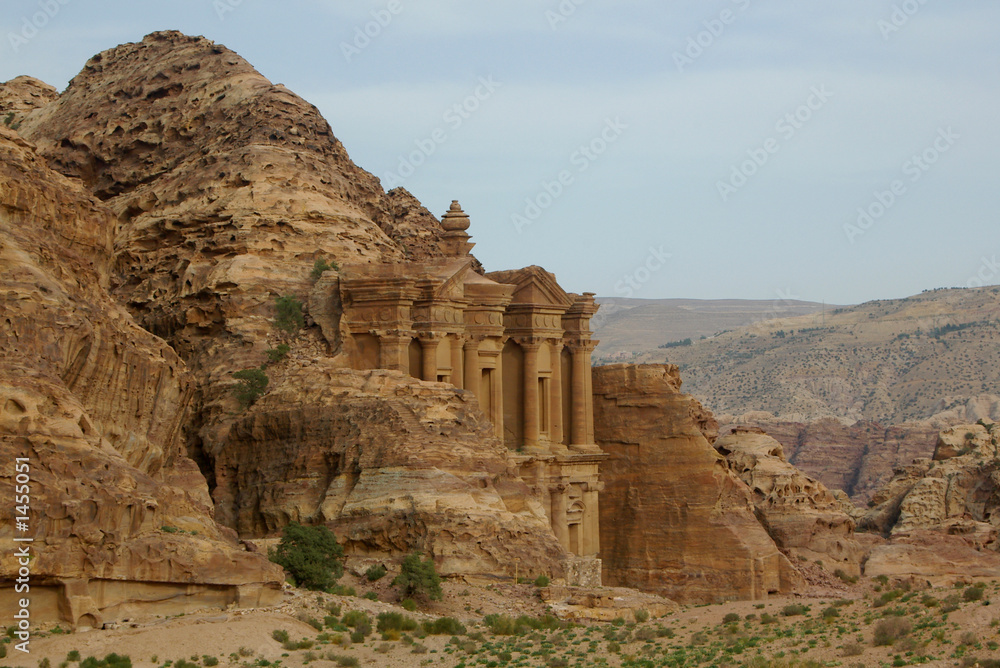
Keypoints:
(722, 149)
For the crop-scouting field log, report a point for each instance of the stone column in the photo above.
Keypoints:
(428, 349)
(393, 352)
(592, 527)
(555, 389)
(588, 393)
(530, 394)
(578, 395)
(497, 416)
(472, 370)
(457, 378)
(560, 527)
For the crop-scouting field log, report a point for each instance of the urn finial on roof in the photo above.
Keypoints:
(455, 219)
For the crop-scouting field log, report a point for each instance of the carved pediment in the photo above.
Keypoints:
(533, 286)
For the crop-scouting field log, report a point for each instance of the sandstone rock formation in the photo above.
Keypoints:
(802, 516)
(391, 464)
(675, 520)
(121, 518)
(226, 188)
(20, 96)
(942, 509)
(856, 457)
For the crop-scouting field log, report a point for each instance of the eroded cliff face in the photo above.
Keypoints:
(942, 514)
(226, 189)
(859, 457)
(96, 404)
(674, 519)
(392, 464)
(803, 517)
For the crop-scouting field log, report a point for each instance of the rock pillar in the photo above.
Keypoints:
(531, 397)
(393, 352)
(555, 405)
(472, 371)
(579, 431)
(428, 350)
(560, 527)
(457, 378)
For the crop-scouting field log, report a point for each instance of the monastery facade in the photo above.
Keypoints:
(515, 339)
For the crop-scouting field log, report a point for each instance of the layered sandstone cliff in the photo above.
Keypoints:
(942, 514)
(802, 516)
(675, 520)
(391, 464)
(226, 188)
(121, 518)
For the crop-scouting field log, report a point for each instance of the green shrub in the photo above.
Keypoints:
(542, 581)
(831, 612)
(74, 655)
(319, 266)
(889, 630)
(640, 615)
(375, 573)
(794, 609)
(394, 621)
(110, 661)
(342, 590)
(253, 383)
(444, 626)
(766, 618)
(290, 318)
(275, 355)
(342, 660)
(281, 635)
(355, 618)
(371, 596)
(418, 577)
(408, 604)
(973, 593)
(209, 660)
(311, 555)
(730, 618)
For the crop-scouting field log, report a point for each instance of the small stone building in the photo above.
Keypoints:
(515, 339)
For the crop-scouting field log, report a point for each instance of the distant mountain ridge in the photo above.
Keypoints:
(890, 361)
(627, 326)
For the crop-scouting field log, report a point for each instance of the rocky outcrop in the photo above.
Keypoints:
(856, 457)
(945, 508)
(226, 188)
(121, 518)
(802, 516)
(391, 464)
(674, 519)
(20, 96)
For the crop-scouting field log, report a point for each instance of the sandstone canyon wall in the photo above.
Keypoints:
(802, 516)
(121, 518)
(675, 520)
(222, 190)
(942, 514)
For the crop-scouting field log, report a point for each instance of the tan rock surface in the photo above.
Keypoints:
(391, 464)
(942, 510)
(97, 405)
(802, 516)
(20, 96)
(227, 188)
(675, 520)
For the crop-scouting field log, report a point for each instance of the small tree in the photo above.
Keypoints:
(319, 266)
(311, 555)
(418, 577)
(290, 318)
(252, 384)
(275, 355)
